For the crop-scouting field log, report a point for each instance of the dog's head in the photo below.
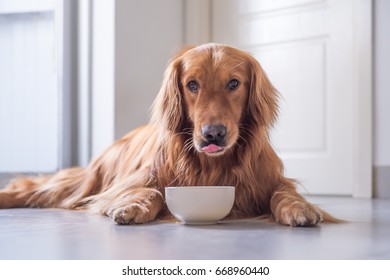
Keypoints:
(217, 92)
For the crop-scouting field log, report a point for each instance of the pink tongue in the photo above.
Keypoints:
(211, 148)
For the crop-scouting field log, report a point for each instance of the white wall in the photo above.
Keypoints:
(132, 42)
(382, 83)
(147, 33)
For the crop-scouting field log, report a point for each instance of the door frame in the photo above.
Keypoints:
(66, 61)
(198, 30)
(363, 58)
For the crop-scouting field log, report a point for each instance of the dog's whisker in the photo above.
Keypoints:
(183, 133)
(188, 145)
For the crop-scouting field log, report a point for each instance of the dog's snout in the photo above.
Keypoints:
(214, 133)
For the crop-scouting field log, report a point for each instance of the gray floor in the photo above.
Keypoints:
(61, 234)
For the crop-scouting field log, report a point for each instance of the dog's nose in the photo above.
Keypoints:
(214, 133)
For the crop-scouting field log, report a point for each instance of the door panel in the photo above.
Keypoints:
(29, 97)
(306, 49)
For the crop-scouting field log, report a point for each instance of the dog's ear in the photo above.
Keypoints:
(263, 97)
(168, 108)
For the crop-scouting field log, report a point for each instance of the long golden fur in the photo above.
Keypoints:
(209, 126)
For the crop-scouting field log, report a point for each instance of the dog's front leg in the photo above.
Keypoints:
(139, 206)
(131, 200)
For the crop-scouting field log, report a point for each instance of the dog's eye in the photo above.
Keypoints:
(193, 86)
(233, 84)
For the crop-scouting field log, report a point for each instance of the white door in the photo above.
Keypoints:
(309, 50)
(32, 99)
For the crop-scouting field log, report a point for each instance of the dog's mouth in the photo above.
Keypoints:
(213, 140)
(212, 149)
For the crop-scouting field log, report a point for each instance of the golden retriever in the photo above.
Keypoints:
(210, 126)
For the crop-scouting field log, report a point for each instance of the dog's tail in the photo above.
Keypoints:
(63, 189)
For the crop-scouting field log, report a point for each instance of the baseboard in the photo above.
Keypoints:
(5, 178)
(381, 184)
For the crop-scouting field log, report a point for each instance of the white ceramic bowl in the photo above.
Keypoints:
(200, 204)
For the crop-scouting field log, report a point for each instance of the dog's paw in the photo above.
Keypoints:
(298, 213)
(134, 213)
(136, 209)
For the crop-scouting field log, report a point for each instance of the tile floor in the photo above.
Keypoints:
(62, 234)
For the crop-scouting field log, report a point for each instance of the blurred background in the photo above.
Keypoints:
(76, 75)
